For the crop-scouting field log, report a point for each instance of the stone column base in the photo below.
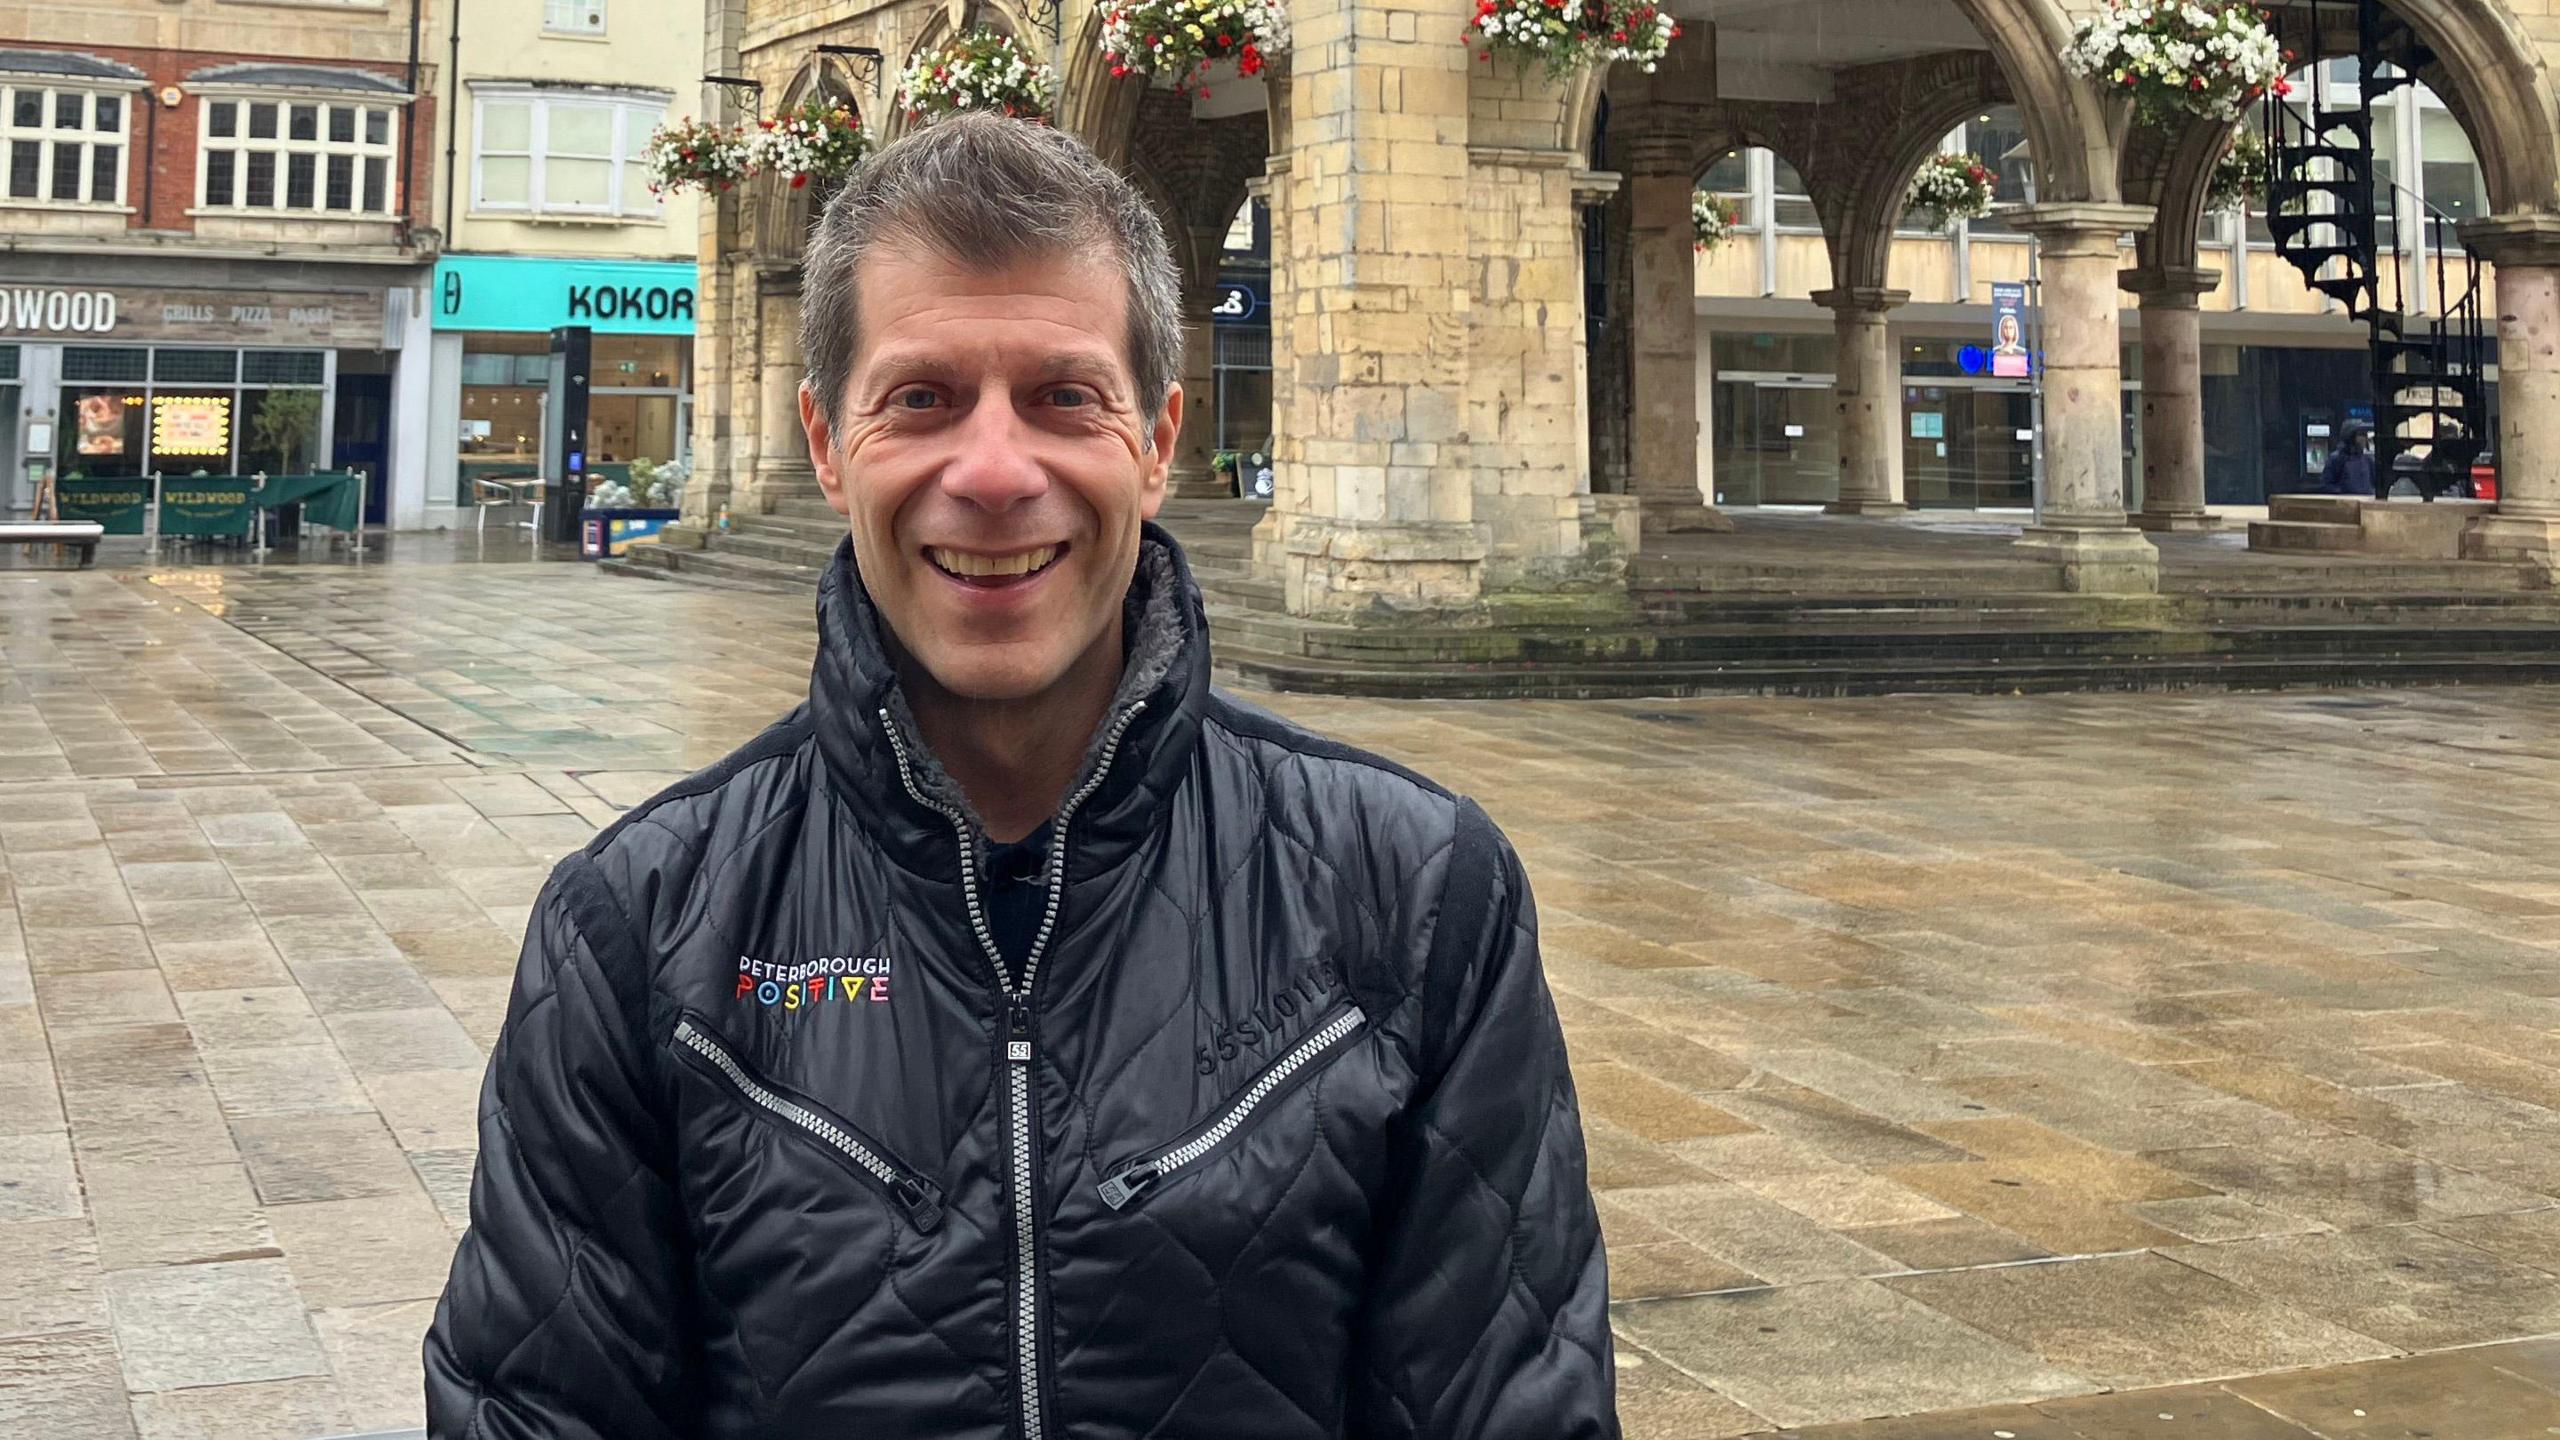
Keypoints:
(1684, 517)
(2115, 560)
(1855, 506)
(2174, 521)
(1384, 571)
(684, 535)
(2516, 539)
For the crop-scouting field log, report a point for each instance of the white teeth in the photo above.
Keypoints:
(961, 562)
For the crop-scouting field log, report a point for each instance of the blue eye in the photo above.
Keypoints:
(917, 399)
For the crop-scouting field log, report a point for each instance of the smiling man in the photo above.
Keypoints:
(1022, 1039)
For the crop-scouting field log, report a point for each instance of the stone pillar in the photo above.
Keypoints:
(782, 470)
(1370, 363)
(1662, 328)
(1867, 386)
(2526, 527)
(2172, 395)
(2080, 516)
(1191, 475)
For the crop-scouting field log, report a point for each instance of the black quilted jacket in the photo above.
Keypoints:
(1275, 1139)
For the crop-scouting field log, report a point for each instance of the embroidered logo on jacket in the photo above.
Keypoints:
(834, 980)
(1279, 1016)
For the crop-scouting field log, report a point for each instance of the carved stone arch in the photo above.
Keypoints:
(2491, 75)
(2073, 130)
(2171, 170)
(1094, 105)
(784, 215)
(1921, 104)
(942, 22)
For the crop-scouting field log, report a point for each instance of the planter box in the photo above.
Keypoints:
(604, 533)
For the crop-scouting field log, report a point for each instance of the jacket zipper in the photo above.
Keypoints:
(1138, 1180)
(1017, 1048)
(921, 1201)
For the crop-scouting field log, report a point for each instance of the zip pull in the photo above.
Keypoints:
(923, 1210)
(1131, 1183)
(1017, 1034)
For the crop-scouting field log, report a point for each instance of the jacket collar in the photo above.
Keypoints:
(896, 788)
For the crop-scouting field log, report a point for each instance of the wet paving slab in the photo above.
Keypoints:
(2068, 1066)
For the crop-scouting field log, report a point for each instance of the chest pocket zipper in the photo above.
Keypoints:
(1135, 1182)
(917, 1198)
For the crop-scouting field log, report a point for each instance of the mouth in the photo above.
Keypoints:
(981, 570)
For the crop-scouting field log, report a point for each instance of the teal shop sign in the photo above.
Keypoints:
(521, 292)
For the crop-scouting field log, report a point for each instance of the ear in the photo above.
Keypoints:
(822, 449)
(1168, 429)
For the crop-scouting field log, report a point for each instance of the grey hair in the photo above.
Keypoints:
(988, 192)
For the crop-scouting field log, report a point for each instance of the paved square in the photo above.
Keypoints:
(2048, 1066)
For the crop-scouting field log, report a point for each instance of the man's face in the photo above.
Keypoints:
(992, 459)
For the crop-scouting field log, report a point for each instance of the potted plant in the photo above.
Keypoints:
(699, 156)
(1950, 188)
(1568, 35)
(983, 69)
(1713, 218)
(821, 140)
(2178, 58)
(1182, 38)
(2240, 176)
(619, 512)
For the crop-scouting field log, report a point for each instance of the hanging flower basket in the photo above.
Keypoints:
(981, 70)
(2181, 57)
(2240, 176)
(822, 140)
(1568, 35)
(1181, 38)
(690, 156)
(1713, 217)
(1950, 188)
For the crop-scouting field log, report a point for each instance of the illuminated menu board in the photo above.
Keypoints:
(191, 425)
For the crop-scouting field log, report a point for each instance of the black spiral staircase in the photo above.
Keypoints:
(2327, 208)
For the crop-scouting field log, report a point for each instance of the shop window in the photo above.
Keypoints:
(573, 17)
(105, 362)
(297, 157)
(63, 147)
(2450, 171)
(1999, 136)
(283, 367)
(554, 155)
(1791, 202)
(1730, 177)
(201, 367)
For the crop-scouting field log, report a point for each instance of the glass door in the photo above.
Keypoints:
(1968, 446)
(1777, 441)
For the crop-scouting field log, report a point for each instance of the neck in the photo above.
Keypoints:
(1014, 759)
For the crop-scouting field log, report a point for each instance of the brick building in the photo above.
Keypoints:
(208, 210)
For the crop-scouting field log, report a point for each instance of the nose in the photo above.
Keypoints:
(995, 467)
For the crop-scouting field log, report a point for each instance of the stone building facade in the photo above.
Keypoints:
(1450, 450)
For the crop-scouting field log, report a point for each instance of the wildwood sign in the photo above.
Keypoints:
(331, 318)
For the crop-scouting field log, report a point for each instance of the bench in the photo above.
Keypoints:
(82, 533)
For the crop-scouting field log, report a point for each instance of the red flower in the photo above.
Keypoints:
(1675, 32)
(1251, 62)
(799, 180)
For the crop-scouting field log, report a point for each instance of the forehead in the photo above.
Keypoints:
(914, 304)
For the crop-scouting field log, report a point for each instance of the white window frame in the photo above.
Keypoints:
(650, 106)
(322, 149)
(583, 18)
(46, 137)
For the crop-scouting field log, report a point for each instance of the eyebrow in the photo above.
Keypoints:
(899, 368)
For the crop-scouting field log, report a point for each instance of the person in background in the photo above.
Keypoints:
(2350, 470)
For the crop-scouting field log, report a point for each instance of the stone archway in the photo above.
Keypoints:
(2493, 78)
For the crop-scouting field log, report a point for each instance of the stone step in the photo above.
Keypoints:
(1886, 676)
(2316, 509)
(2325, 536)
(737, 571)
